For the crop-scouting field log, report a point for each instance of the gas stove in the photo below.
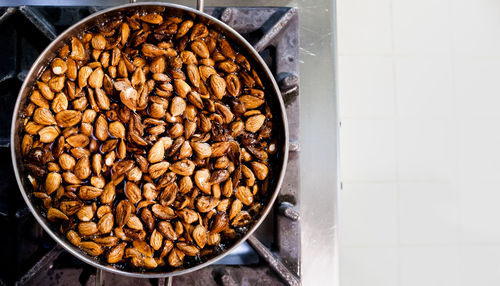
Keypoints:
(270, 257)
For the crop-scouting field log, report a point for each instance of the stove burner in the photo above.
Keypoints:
(272, 254)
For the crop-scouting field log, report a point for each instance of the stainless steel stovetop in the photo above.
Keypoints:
(274, 255)
(33, 259)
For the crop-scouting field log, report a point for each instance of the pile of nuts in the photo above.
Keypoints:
(148, 139)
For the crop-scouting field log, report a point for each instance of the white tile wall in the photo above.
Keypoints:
(373, 220)
(423, 86)
(425, 148)
(479, 265)
(375, 38)
(421, 26)
(429, 266)
(475, 27)
(479, 212)
(419, 85)
(368, 150)
(374, 98)
(476, 89)
(369, 266)
(428, 214)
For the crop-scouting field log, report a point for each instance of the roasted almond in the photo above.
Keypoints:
(87, 228)
(202, 180)
(89, 193)
(117, 130)
(254, 123)
(52, 182)
(132, 192)
(56, 83)
(183, 167)
(101, 128)
(202, 150)
(115, 255)
(77, 50)
(218, 85)
(58, 66)
(181, 88)
(99, 42)
(54, 214)
(68, 118)
(45, 90)
(43, 116)
(105, 224)
(200, 235)
(129, 97)
(78, 140)
(158, 169)
(86, 213)
(83, 76)
(157, 152)
(260, 170)
(37, 98)
(91, 248)
(95, 78)
(60, 103)
(152, 18)
(82, 168)
(48, 134)
(200, 48)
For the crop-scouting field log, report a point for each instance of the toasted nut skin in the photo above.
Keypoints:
(157, 152)
(200, 48)
(115, 255)
(59, 66)
(54, 214)
(73, 237)
(37, 98)
(183, 167)
(86, 213)
(43, 116)
(200, 235)
(152, 18)
(89, 193)
(218, 85)
(260, 170)
(68, 118)
(48, 134)
(52, 182)
(202, 150)
(254, 123)
(105, 224)
(158, 169)
(91, 248)
(117, 130)
(202, 180)
(60, 103)
(87, 228)
(244, 195)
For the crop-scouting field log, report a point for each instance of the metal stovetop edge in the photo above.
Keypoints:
(320, 181)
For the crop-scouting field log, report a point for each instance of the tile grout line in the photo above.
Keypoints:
(456, 135)
(396, 147)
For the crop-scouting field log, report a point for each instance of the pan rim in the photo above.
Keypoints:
(74, 250)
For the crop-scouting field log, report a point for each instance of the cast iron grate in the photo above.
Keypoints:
(32, 258)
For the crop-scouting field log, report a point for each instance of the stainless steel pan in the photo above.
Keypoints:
(49, 53)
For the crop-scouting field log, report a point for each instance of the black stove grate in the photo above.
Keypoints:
(31, 257)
